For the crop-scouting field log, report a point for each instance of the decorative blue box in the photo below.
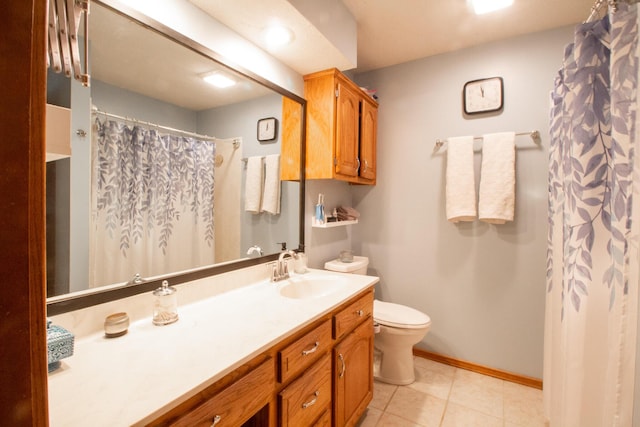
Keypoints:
(59, 345)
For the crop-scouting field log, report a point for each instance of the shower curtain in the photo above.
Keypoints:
(152, 202)
(594, 222)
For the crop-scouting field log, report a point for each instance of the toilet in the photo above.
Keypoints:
(398, 329)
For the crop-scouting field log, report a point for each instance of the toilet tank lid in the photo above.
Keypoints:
(347, 267)
(397, 315)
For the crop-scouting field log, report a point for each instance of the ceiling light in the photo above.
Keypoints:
(486, 6)
(218, 79)
(277, 35)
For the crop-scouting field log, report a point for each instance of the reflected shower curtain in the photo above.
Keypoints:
(594, 221)
(152, 202)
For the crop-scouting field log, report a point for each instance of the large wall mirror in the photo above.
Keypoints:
(156, 187)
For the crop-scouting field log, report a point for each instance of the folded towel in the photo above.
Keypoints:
(347, 213)
(271, 195)
(497, 178)
(461, 185)
(253, 184)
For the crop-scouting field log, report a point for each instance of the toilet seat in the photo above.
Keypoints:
(399, 316)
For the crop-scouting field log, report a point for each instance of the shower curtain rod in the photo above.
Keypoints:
(598, 4)
(234, 141)
(595, 9)
(534, 134)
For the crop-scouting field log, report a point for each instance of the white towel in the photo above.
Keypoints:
(497, 178)
(271, 196)
(253, 184)
(461, 185)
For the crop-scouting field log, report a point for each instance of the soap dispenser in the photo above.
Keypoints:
(165, 305)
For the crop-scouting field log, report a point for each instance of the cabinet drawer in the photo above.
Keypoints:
(300, 354)
(237, 403)
(324, 420)
(350, 317)
(305, 399)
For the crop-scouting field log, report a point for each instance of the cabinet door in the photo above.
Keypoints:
(353, 375)
(347, 131)
(368, 132)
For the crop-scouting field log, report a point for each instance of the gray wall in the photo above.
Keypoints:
(482, 285)
(324, 244)
(115, 100)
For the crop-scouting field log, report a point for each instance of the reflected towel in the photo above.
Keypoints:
(271, 195)
(497, 178)
(253, 184)
(461, 185)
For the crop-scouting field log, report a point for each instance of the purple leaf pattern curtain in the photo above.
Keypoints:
(594, 216)
(152, 197)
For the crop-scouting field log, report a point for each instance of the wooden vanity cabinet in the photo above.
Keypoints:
(348, 375)
(341, 128)
(353, 361)
(244, 402)
(305, 400)
(352, 381)
(320, 376)
(301, 353)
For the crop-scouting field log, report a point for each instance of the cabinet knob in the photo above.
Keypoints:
(311, 350)
(216, 420)
(360, 313)
(312, 401)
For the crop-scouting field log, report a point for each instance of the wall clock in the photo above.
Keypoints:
(483, 95)
(267, 129)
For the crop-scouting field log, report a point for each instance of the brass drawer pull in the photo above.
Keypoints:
(216, 420)
(344, 367)
(312, 401)
(360, 313)
(313, 350)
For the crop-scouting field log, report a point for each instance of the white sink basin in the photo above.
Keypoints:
(311, 287)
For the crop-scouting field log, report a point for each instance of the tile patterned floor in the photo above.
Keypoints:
(445, 396)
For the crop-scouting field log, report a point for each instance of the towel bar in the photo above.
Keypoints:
(534, 134)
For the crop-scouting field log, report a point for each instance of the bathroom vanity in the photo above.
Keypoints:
(292, 353)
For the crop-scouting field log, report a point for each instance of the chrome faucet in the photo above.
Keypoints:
(137, 279)
(255, 249)
(280, 270)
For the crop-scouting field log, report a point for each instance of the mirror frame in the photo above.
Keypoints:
(106, 294)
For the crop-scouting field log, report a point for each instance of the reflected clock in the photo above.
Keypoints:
(483, 95)
(267, 129)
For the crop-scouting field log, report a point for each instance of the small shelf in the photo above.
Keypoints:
(335, 224)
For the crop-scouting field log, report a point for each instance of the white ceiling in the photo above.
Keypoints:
(392, 32)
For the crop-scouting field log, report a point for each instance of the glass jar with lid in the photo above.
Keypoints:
(165, 305)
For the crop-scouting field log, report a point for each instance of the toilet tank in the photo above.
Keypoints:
(357, 266)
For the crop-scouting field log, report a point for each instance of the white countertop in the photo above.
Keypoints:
(132, 379)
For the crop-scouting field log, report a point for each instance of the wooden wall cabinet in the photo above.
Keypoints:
(341, 128)
(321, 376)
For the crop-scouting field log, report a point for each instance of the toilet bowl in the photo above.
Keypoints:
(401, 327)
(398, 329)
